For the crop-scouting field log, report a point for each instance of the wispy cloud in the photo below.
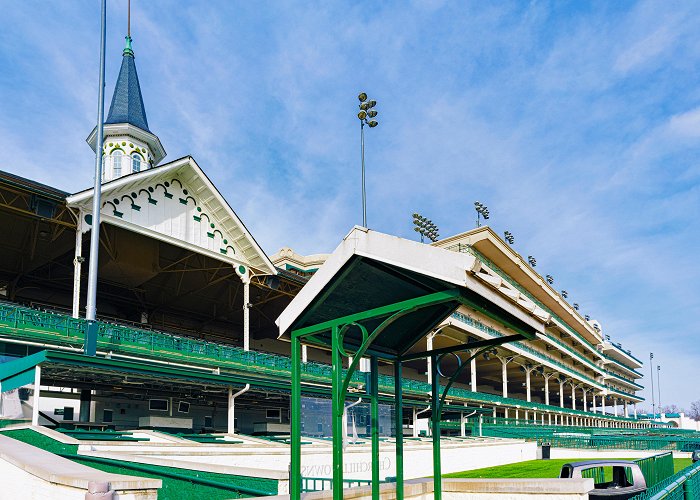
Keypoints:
(577, 124)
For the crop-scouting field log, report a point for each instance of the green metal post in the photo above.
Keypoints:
(295, 441)
(374, 415)
(338, 407)
(398, 411)
(435, 404)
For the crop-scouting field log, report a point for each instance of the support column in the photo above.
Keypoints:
(528, 388)
(429, 359)
(504, 374)
(593, 409)
(573, 396)
(398, 413)
(295, 437)
(585, 403)
(85, 401)
(374, 415)
(246, 312)
(546, 388)
(231, 421)
(37, 395)
(304, 354)
(627, 412)
(615, 406)
(437, 465)
(77, 264)
(635, 410)
(338, 407)
(473, 374)
(561, 393)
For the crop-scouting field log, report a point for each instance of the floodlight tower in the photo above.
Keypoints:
(532, 261)
(481, 211)
(651, 370)
(508, 236)
(366, 115)
(425, 227)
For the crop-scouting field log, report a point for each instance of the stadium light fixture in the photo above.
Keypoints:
(576, 306)
(509, 237)
(564, 293)
(481, 211)
(550, 279)
(532, 261)
(425, 227)
(366, 115)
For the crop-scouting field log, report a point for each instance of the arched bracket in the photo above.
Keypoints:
(453, 378)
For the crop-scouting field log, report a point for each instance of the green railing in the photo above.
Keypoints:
(495, 333)
(63, 330)
(588, 438)
(656, 468)
(682, 486)
(322, 483)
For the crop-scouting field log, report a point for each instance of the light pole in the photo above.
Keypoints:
(90, 314)
(366, 115)
(481, 211)
(651, 370)
(658, 384)
(425, 227)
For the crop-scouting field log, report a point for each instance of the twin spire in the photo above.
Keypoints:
(127, 101)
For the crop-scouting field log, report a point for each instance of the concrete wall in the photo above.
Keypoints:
(30, 473)
(472, 489)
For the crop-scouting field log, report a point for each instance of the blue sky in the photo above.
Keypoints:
(578, 124)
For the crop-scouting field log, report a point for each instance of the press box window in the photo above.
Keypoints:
(158, 405)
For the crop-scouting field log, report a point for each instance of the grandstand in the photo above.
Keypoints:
(191, 363)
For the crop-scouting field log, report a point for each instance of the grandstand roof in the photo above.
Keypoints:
(369, 270)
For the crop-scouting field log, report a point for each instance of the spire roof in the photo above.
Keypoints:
(127, 102)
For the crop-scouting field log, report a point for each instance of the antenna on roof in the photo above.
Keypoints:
(128, 18)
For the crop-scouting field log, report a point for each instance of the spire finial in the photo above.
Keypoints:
(128, 51)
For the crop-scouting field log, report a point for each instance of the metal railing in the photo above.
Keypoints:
(309, 484)
(685, 485)
(63, 330)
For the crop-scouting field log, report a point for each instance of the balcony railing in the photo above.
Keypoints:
(62, 330)
(472, 251)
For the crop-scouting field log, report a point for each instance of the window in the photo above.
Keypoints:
(158, 404)
(135, 162)
(183, 407)
(207, 422)
(107, 416)
(117, 163)
(274, 414)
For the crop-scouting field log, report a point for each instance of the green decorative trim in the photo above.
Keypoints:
(123, 143)
(241, 269)
(119, 214)
(183, 201)
(199, 209)
(168, 195)
(135, 207)
(88, 219)
(198, 219)
(212, 225)
(152, 201)
(211, 235)
(225, 242)
(223, 251)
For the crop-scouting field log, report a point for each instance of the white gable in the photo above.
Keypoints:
(177, 203)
